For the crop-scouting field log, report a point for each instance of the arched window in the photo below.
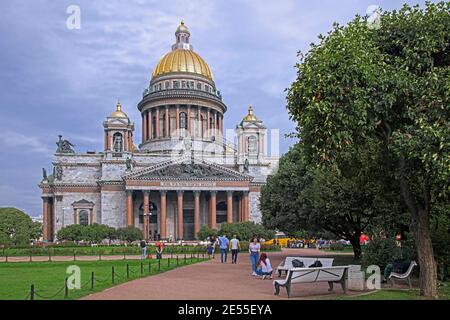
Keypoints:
(176, 84)
(199, 86)
(167, 85)
(118, 142)
(252, 144)
(153, 209)
(83, 218)
(183, 120)
(211, 123)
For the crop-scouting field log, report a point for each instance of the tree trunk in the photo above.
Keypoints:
(354, 240)
(427, 263)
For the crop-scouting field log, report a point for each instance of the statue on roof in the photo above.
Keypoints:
(64, 146)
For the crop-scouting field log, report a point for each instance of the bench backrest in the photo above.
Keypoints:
(307, 261)
(323, 274)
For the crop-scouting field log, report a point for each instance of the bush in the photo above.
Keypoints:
(337, 247)
(130, 234)
(246, 230)
(381, 252)
(206, 232)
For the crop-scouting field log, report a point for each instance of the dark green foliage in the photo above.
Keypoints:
(130, 234)
(246, 230)
(381, 252)
(17, 228)
(206, 232)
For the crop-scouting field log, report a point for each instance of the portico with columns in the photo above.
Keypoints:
(174, 199)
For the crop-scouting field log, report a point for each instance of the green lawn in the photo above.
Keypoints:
(48, 277)
(392, 294)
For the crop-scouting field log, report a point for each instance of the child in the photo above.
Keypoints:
(263, 268)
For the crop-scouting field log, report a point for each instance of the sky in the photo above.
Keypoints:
(54, 80)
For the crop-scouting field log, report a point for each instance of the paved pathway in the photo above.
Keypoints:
(212, 280)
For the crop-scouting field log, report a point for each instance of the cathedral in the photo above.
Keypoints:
(184, 173)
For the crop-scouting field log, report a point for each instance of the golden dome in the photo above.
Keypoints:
(182, 60)
(119, 113)
(250, 116)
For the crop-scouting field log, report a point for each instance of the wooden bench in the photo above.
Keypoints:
(403, 276)
(286, 264)
(331, 275)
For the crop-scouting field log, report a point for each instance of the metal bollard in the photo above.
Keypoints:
(112, 275)
(32, 292)
(92, 280)
(66, 289)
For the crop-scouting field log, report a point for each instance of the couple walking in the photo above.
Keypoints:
(260, 263)
(225, 245)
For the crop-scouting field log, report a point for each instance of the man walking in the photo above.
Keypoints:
(235, 247)
(223, 241)
(143, 246)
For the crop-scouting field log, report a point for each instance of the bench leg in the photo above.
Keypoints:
(277, 289)
(330, 284)
(392, 282)
(279, 273)
(409, 283)
(288, 290)
(344, 285)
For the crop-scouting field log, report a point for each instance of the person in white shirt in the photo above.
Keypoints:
(264, 267)
(253, 249)
(235, 246)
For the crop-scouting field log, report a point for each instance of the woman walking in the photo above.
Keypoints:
(253, 249)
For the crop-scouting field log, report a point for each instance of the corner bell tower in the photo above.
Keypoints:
(118, 132)
(251, 140)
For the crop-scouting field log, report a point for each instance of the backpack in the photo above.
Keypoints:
(297, 263)
(316, 264)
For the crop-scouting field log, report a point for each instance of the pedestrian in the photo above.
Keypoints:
(223, 245)
(253, 249)
(235, 247)
(143, 246)
(263, 267)
(159, 250)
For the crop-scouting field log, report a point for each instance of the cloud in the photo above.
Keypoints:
(15, 140)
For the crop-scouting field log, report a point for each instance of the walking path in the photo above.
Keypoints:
(212, 280)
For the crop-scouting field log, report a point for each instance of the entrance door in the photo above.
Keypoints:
(188, 224)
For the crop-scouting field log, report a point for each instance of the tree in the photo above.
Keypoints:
(16, 227)
(246, 230)
(206, 232)
(343, 202)
(391, 85)
(73, 232)
(287, 213)
(130, 234)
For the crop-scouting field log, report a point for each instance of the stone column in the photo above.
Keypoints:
(180, 215)
(46, 218)
(157, 122)
(144, 127)
(230, 207)
(163, 227)
(75, 216)
(125, 141)
(130, 213)
(196, 212)
(240, 209)
(207, 124)
(149, 124)
(189, 120)
(245, 203)
(213, 216)
(177, 126)
(146, 213)
(167, 122)
(199, 120)
(91, 216)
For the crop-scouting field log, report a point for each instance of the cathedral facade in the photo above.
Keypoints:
(184, 174)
